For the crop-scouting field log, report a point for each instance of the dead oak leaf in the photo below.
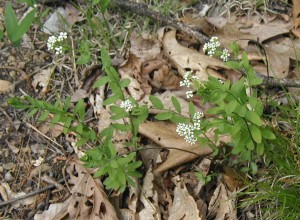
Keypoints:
(184, 206)
(189, 59)
(42, 80)
(164, 134)
(89, 201)
(296, 13)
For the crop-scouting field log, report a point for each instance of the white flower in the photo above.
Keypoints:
(38, 162)
(211, 46)
(127, 105)
(225, 55)
(187, 79)
(186, 131)
(62, 36)
(197, 120)
(58, 50)
(189, 94)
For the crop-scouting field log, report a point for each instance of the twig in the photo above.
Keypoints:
(143, 10)
(31, 194)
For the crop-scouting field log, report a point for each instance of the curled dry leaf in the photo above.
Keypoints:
(89, 201)
(189, 59)
(5, 86)
(164, 134)
(149, 198)
(296, 13)
(184, 205)
(42, 80)
(223, 204)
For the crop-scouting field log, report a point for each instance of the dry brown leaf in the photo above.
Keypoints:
(296, 13)
(149, 198)
(42, 80)
(164, 134)
(184, 206)
(55, 211)
(5, 86)
(223, 204)
(144, 47)
(89, 201)
(131, 69)
(188, 59)
(235, 30)
(233, 178)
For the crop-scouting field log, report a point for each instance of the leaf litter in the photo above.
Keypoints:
(155, 64)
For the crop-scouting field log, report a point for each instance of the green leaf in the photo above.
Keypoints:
(241, 110)
(179, 119)
(67, 103)
(10, 19)
(268, 134)
(100, 82)
(256, 134)
(32, 112)
(254, 118)
(105, 58)
(253, 167)
(1, 34)
(111, 100)
(124, 82)
(260, 148)
(80, 109)
(81, 142)
(43, 116)
(23, 27)
(192, 109)
(156, 102)
(122, 127)
(104, 5)
(84, 58)
(117, 110)
(176, 104)
(67, 124)
(233, 65)
(230, 107)
(163, 116)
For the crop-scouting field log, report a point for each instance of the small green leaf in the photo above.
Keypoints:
(254, 118)
(163, 116)
(192, 109)
(10, 19)
(100, 82)
(67, 103)
(80, 109)
(43, 116)
(260, 148)
(156, 102)
(230, 107)
(233, 65)
(32, 112)
(81, 142)
(256, 134)
(179, 119)
(125, 82)
(122, 127)
(23, 27)
(111, 100)
(176, 104)
(268, 134)
(253, 167)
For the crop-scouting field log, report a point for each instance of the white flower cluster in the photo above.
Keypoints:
(127, 105)
(188, 130)
(187, 81)
(211, 46)
(53, 42)
(225, 55)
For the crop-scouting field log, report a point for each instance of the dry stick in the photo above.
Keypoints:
(143, 10)
(30, 194)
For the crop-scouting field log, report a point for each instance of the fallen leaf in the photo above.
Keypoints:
(296, 13)
(42, 80)
(5, 86)
(149, 198)
(189, 59)
(55, 211)
(62, 19)
(164, 134)
(184, 206)
(222, 204)
(89, 201)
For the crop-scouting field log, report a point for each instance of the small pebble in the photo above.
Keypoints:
(8, 177)
(12, 73)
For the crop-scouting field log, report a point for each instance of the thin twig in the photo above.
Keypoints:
(31, 194)
(143, 10)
